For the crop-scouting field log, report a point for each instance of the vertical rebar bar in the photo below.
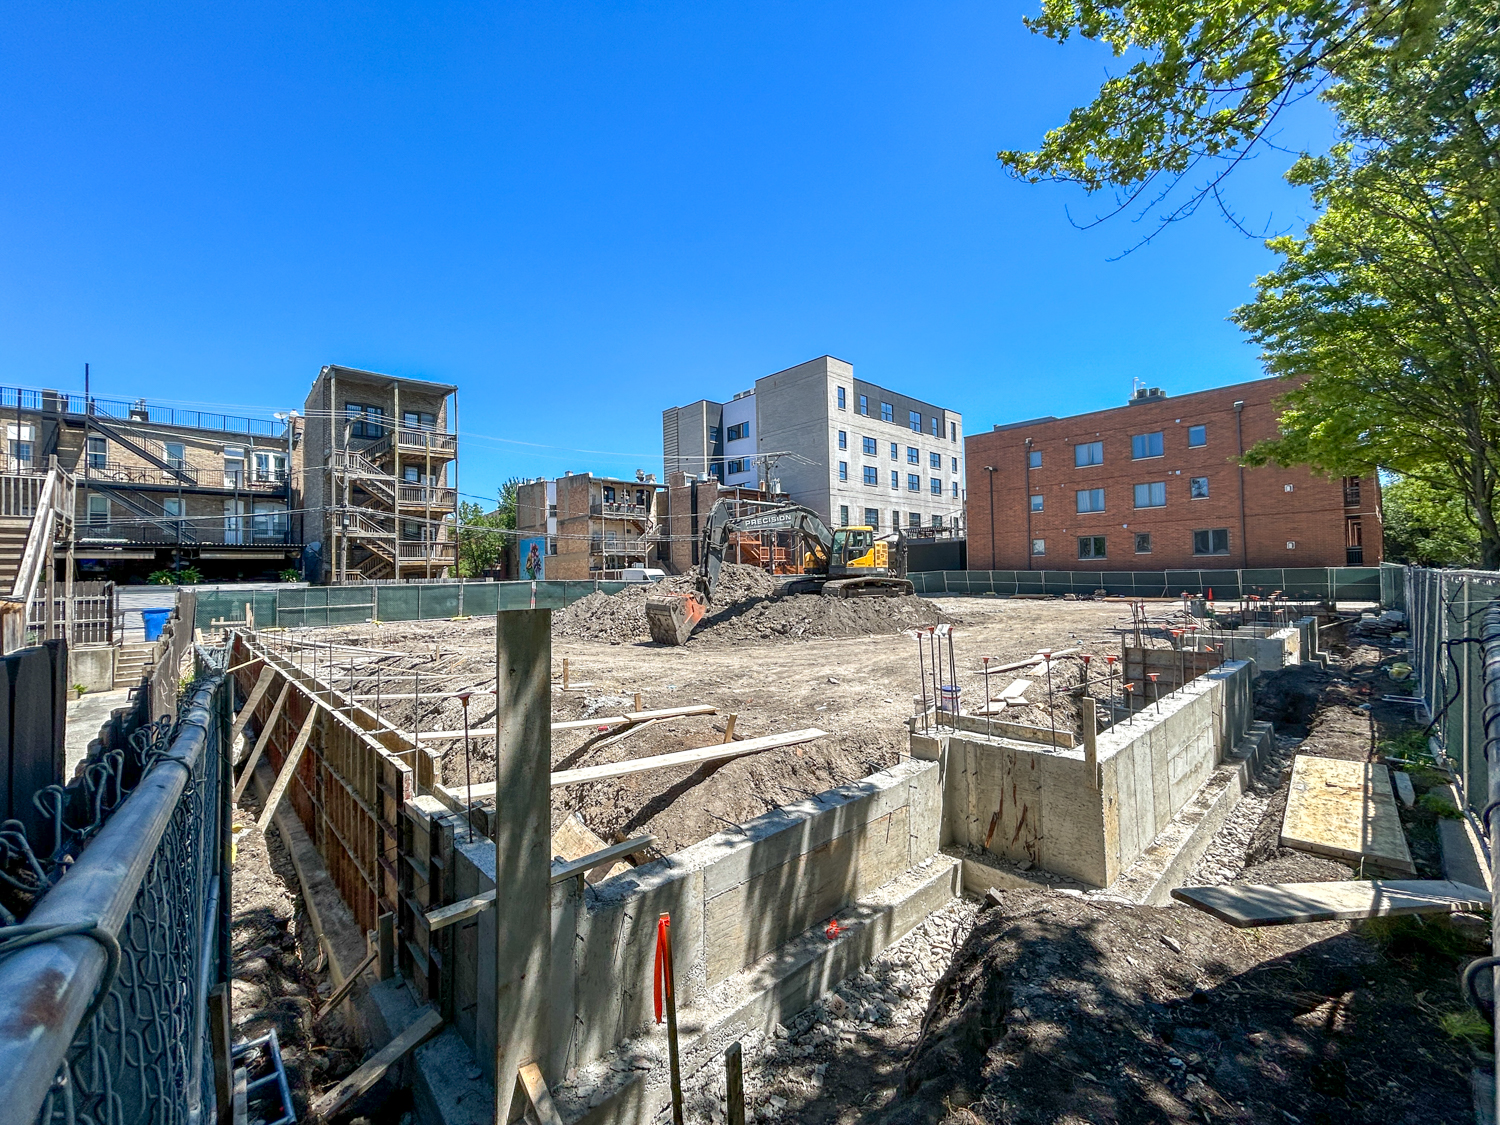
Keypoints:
(1051, 703)
(922, 673)
(953, 675)
(937, 701)
(468, 773)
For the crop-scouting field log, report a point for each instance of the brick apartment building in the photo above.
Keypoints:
(593, 527)
(1154, 485)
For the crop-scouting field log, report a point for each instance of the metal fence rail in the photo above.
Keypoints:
(1444, 610)
(415, 601)
(1347, 583)
(105, 983)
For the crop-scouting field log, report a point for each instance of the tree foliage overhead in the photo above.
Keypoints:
(1388, 310)
(487, 538)
(1428, 526)
(1209, 79)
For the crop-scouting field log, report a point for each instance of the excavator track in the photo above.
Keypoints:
(867, 587)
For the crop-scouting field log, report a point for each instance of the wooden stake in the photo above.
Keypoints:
(1090, 726)
(219, 1033)
(530, 1077)
(257, 693)
(424, 1027)
(670, 991)
(729, 729)
(735, 1076)
(637, 701)
(288, 768)
(344, 989)
(261, 742)
(385, 946)
(565, 673)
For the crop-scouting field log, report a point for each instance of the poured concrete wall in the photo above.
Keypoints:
(1271, 649)
(1028, 801)
(734, 898)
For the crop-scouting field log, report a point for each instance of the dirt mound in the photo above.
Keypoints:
(748, 605)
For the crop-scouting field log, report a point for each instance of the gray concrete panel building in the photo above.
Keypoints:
(851, 450)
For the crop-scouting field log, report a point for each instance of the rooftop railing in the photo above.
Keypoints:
(136, 410)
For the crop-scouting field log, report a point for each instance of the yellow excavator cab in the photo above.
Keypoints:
(856, 547)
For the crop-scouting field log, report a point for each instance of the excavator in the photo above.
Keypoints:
(847, 562)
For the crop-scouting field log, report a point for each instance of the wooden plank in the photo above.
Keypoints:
(537, 1094)
(1277, 904)
(423, 1027)
(288, 768)
(459, 911)
(344, 989)
(1013, 692)
(584, 724)
(257, 693)
(582, 864)
(715, 753)
(261, 742)
(573, 839)
(1345, 810)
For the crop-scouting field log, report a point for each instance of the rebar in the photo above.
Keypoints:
(953, 675)
(468, 774)
(1051, 703)
(922, 673)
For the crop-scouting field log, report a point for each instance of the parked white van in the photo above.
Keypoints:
(642, 574)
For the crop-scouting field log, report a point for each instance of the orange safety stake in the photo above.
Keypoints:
(833, 929)
(666, 997)
(659, 974)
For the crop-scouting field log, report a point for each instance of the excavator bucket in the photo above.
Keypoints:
(673, 617)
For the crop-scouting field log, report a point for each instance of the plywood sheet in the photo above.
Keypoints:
(572, 839)
(1345, 810)
(1276, 904)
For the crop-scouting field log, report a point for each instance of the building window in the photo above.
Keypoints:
(738, 432)
(843, 515)
(915, 418)
(870, 447)
(268, 520)
(713, 435)
(735, 466)
(1091, 499)
(843, 440)
(1088, 453)
(895, 451)
(419, 420)
(717, 470)
(1143, 542)
(955, 464)
(98, 510)
(98, 449)
(1038, 546)
(609, 494)
(895, 479)
(1198, 488)
(1197, 435)
(937, 521)
(872, 517)
(1037, 501)
(172, 508)
(864, 404)
(955, 490)
(270, 467)
(1211, 542)
(366, 422)
(1033, 458)
(872, 475)
(913, 519)
(412, 474)
(936, 486)
(895, 519)
(176, 454)
(20, 442)
(912, 456)
(841, 398)
(1354, 541)
(887, 412)
(1145, 445)
(934, 460)
(1091, 547)
(913, 483)
(937, 427)
(1351, 492)
(843, 470)
(952, 431)
(1153, 495)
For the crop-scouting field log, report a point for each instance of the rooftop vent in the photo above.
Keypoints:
(1147, 394)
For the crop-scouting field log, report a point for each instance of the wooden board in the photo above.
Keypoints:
(488, 730)
(260, 743)
(530, 1078)
(572, 839)
(427, 1024)
(718, 752)
(257, 693)
(288, 768)
(1278, 904)
(1345, 810)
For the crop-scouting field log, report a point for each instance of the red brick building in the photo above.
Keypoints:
(1154, 485)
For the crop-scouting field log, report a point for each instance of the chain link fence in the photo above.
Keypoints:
(116, 926)
(1445, 610)
(1333, 583)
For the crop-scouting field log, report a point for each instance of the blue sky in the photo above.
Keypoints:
(582, 213)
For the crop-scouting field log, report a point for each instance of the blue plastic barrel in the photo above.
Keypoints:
(155, 620)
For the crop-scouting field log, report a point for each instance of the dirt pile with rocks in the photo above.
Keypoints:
(748, 605)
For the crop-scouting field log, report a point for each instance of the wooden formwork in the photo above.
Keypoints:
(426, 955)
(353, 780)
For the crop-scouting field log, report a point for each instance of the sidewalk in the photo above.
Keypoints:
(85, 717)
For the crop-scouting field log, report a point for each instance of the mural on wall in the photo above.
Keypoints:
(534, 559)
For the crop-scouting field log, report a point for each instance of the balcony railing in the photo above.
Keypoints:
(1351, 492)
(19, 493)
(415, 441)
(230, 480)
(619, 510)
(231, 531)
(62, 402)
(428, 496)
(439, 551)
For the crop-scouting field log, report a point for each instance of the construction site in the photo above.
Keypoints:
(960, 858)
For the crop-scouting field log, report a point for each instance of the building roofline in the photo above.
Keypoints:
(1128, 405)
(447, 388)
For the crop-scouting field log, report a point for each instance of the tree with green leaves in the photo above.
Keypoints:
(486, 539)
(1427, 526)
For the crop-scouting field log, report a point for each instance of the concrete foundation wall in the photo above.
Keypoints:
(1026, 801)
(93, 666)
(733, 898)
(1271, 649)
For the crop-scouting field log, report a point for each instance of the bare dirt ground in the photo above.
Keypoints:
(858, 689)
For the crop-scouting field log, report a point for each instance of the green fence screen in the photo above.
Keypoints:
(1341, 583)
